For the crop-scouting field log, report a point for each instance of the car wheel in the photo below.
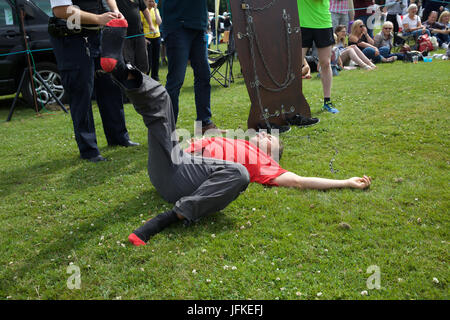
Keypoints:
(49, 73)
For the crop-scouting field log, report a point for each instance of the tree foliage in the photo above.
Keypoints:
(222, 8)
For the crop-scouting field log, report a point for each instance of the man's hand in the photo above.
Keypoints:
(106, 17)
(359, 183)
(119, 14)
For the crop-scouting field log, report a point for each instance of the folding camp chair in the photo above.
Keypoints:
(217, 59)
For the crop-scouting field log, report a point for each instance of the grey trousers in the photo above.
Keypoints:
(339, 19)
(197, 186)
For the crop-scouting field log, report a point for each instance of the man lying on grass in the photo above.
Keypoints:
(198, 186)
(254, 155)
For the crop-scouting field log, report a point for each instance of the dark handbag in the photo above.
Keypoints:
(409, 56)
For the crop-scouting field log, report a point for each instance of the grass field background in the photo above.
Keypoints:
(271, 243)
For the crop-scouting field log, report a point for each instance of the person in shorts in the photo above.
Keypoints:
(316, 26)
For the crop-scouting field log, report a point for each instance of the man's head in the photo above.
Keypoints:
(268, 143)
(432, 18)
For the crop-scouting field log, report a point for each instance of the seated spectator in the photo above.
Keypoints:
(359, 37)
(364, 10)
(384, 41)
(437, 29)
(352, 52)
(394, 8)
(412, 26)
(432, 5)
(306, 70)
(444, 19)
(336, 63)
(312, 57)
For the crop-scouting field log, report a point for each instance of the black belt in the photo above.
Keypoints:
(58, 29)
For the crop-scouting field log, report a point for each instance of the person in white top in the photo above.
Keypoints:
(412, 26)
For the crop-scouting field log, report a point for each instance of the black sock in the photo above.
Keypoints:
(326, 100)
(113, 37)
(155, 225)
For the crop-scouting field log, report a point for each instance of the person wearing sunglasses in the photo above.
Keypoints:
(360, 37)
(394, 8)
(363, 11)
(352, 52)
(384, 41)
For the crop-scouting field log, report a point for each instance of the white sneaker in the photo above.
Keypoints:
(444, 46)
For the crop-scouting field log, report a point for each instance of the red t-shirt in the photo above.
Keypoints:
(260, 166)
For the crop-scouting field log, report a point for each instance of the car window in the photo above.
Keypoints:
(6, 14)
(45, 6)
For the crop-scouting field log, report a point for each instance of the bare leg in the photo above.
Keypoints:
(304, 51)
(306, 70)
(362, 56)
(325, 66)
(350, 52)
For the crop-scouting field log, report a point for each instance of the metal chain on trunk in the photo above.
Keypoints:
(253, 40)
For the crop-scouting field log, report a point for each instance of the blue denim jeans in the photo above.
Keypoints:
(442, 38)
(182, 45)
(416, 33)
(370, 53)
(386, 53)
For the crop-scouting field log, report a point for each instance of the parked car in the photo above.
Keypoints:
(11, 40)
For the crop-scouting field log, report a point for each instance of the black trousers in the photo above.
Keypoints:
(153, 49)
(78, 59)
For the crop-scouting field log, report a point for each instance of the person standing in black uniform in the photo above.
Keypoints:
(77, 53)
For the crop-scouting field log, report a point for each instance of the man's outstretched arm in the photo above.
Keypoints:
(290, 179)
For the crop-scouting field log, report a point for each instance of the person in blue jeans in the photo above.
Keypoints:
(184, 31)
(359, 37)
(412, 25)
(384, 41)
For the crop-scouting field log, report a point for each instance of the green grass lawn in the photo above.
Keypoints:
(271, 243)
